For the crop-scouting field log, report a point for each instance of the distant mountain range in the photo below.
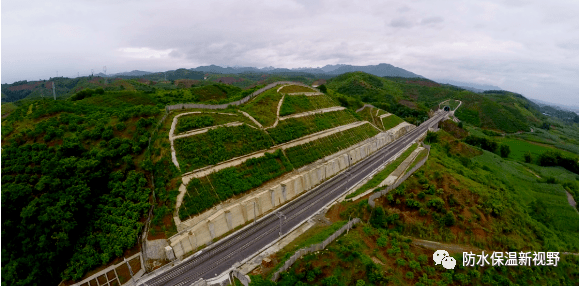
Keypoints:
(378, 70)
(475, 87)
(573, 108)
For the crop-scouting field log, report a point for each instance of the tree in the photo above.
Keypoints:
(528, 157)
(449, 219)
(546, 126)
(323, 88)
(460, 125)
(505, 150)
(431, 137)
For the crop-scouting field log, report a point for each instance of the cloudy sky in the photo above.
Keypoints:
(530, 47)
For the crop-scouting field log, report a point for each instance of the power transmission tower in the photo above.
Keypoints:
(91, 72)
(105, 70)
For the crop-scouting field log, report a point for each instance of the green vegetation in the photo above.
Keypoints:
(300, 103)
(294, 128)
(295, 88)
(419, 157)
(369, 114)
(554, 158)
(74, 189)
(7, 108)
(384, 173)
(356, 259)
(208, 191)
(411, 99)
(264, 107)
(195, 121)
(391, 121)
(220, 144)
(305, 154)
(314, 235)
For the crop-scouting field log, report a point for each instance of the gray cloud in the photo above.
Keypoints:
(520, 45)
(431, 20)
(401, 23)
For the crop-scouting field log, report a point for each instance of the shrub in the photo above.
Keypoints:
(435, 203)
(400, 262)
(528, 157)
(505, 150)
(382, 241)
(431, 137)
(120, 126)
(449, 219)
(414, 265)
(412, 203)
(409, 275)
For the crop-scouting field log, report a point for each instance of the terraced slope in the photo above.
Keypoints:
(314, 131)
(294, 128)
(218, 145)
(293, 104)
(207, 119)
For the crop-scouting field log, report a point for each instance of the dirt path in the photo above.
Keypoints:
(571, 201)
(533, 173)
(451, 248)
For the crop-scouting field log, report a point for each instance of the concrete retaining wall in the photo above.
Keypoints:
(312, 248)
(399, 180)
(307, 177)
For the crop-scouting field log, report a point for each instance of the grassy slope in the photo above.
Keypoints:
(293, 104)
(369, 114)
(220, 144)
(294, 128)
(295, 88)
(391, 121)
(264, 107)
(192, 121)
(305, 154)
(208, 191)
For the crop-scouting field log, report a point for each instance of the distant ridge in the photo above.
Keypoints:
(475, 87)
(377, 70)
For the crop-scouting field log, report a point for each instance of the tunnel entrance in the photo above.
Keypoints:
(446, 108)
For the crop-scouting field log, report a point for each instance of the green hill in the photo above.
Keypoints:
(411, 99)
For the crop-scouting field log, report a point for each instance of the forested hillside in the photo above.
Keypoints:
(74, 184)
(412, 99)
